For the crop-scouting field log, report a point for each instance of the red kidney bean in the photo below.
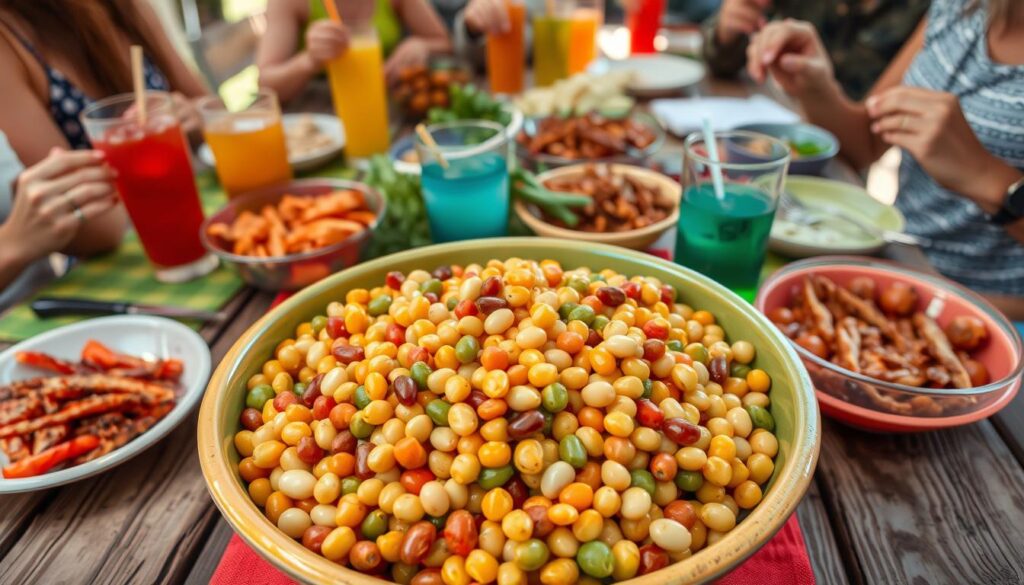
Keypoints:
(442, 272)
(466, 308)
(611, 296)
(652, 558)
(365, 556)
(655, 330)
(336, 327)
(312, 391)
(427, 577)
(346, 354)
(251, 419)
(681, 512)
(417, 542)
(491, 287)
(680, 430)
(394, 279)
(344, 442)
(283, 400)
(322, 406)
(475, 399)
(517, 488)
(718, 369)
(460, 532)
(363, 470)
(488, 305)
(395, 334)
(668, 294)
(648, 414)
(313, 537)
(594, 338)
(632, 290)
(653, 349)
(406, 390)
(309, 451)
(419, 354)
(525, 424)
(542, 526)
(430, 297)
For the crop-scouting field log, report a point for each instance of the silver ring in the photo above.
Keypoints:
(79, 215)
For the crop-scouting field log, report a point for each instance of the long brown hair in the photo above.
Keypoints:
(86, 33)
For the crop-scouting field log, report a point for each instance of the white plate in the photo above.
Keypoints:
(327, 123)
(659, 73)
(136, 335)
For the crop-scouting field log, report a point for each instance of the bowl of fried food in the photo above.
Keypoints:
(557, 141)
(291, 235)
(891, 349)
(629, 206)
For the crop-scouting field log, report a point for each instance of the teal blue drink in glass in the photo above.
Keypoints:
(724, 235)
(469, 196)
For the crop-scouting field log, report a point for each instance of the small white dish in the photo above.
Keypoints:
(131, 334)
(327, 123)
(659, 74)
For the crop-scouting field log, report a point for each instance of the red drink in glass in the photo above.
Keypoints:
(643, 23)
(154, 180)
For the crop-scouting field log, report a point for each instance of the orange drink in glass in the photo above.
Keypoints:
(586, 19)
(506, 53)
(357, 88)
(248, 146)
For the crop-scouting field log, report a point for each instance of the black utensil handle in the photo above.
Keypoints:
(51, 307)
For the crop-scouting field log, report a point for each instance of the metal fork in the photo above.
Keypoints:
(796, 211)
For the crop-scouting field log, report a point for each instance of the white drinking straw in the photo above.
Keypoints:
(716, 165)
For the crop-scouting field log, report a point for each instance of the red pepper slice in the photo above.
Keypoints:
(44, 361)
(42, 462)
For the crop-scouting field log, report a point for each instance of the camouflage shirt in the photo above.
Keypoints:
(862, 36)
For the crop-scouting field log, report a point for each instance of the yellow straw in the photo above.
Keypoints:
(428, 140)
(139, 82)
(332, 10)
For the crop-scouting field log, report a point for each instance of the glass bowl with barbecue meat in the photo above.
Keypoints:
(555, 141)
(892, 349)
(610, 203)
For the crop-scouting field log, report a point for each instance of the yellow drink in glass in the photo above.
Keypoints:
(357, 88)
(248, 146)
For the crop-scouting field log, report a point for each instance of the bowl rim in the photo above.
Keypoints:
(763, 128)
(771, 514)
(281, 189)
(532, 220)
(631, 153)
(794, 269)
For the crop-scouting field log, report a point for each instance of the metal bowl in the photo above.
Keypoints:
(293, 271)
(851, 397)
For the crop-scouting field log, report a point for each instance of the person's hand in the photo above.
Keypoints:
(412, 52)
(740, 18)
(793, 54)
(326, 40)
(487, 17)
(54, 198)
(931, 126)
(187, 113)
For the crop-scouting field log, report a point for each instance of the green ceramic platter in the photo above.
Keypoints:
(793, 403)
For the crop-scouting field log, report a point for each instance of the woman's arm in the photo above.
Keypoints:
(283, 69)
(180, 76)
(793, 54)
(426, 36)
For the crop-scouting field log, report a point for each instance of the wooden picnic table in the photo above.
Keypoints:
(938, 507)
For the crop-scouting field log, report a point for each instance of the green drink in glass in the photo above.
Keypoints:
(725, 235)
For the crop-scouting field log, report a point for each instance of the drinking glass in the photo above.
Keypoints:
(725, 235)
(248, 146)
(469, 199)
(587, 18)
(357, 88)
(154, 180)
(552, 39)
(506, 53)
(643, 23)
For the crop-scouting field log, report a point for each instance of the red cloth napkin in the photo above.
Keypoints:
(783, 561)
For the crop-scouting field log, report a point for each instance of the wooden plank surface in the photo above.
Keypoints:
(822, 549)
(939, 507)
(210, 556)
(144, 522)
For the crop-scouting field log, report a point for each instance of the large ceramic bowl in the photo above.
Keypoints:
(293, 271)
(793, 406)
(854, 398)
(638, 239)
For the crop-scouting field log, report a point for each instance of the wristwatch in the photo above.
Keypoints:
(1013, 205)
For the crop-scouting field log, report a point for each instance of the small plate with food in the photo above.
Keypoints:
(659, 74)
(810, 146)
(818, 227)
(892, 349)
(556, 141)
(630, 206)
(312, 140)
(83, 398)
(291, 235)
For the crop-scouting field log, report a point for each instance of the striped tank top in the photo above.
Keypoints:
(965, 245)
